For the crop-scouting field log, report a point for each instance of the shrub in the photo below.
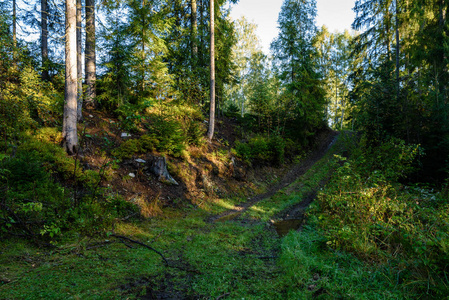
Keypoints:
(132, 115)
(148, 143)
(365, 211)
(277, 146)
(262, 149)
(32, 204)
(170, 135)
(127, 149)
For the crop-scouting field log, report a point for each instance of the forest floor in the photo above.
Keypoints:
(218, 235)
(185, 253)
(324, 142)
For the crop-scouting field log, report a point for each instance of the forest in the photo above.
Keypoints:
(152, 150)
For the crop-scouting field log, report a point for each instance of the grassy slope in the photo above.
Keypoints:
(238, 259)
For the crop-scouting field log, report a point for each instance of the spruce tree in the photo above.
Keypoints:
(294, 58)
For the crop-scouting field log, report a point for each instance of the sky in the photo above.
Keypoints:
(335, 14)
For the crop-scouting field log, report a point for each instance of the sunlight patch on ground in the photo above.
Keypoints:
(258, 209)
(225, 204)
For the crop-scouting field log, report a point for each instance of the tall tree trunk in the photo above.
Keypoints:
(194, 31)
(14, 23)
(144, 27)
(210, 134)
(69, 130)
(397, 51)
(442, 10)
(90, 55)
(387, 30)
(14, 32)
(44, 39)
(201, 49)
(79, 63)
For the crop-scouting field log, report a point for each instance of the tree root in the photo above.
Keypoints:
(141, 244)
(124, 238)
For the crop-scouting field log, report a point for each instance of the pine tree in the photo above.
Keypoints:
(294, 55)
(44, 39)
(79, 64)
(210, 133)
(90, 55)
(69, 131)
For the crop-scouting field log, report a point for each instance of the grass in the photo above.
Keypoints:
(294, 193)
(318, 272)
(236, 259)
(210, 260)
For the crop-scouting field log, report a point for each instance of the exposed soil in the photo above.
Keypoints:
(324, 141)
(201, 176)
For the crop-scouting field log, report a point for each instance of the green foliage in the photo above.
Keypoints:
(262, 149)
(50, 135)
(27, 103)
(170, 134)
(127, 149)
(132, 115)
(400, 89)
(33, 204)
(365, 211)
(318, 272)
(392, 159)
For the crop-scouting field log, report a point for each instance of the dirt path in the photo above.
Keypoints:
(325, 142)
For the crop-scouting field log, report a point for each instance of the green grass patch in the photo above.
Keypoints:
(312, 270)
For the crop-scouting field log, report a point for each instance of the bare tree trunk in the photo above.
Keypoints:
(210, 134)
(194, 31)
(79, 63)
(397, 51)
(14, 23)
(90, 55)
(69, 130)
(144, 27)
(14, 33)
(44, 39)
(201, 42)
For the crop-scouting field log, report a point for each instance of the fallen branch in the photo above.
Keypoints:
(141, 244)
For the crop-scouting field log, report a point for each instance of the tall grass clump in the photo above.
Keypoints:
(364, 210)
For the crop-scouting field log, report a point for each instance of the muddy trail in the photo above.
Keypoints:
(324, 144)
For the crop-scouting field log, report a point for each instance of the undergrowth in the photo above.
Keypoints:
(364, 210)
(36, 205)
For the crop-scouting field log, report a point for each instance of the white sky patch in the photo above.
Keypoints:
(337, 15)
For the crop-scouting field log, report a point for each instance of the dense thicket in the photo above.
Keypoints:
(400, 81)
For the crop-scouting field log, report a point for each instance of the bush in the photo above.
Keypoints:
(127, 149)
(170, 135)
(262, 149)
(132, 115)
(365, 211)
(32, 204)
